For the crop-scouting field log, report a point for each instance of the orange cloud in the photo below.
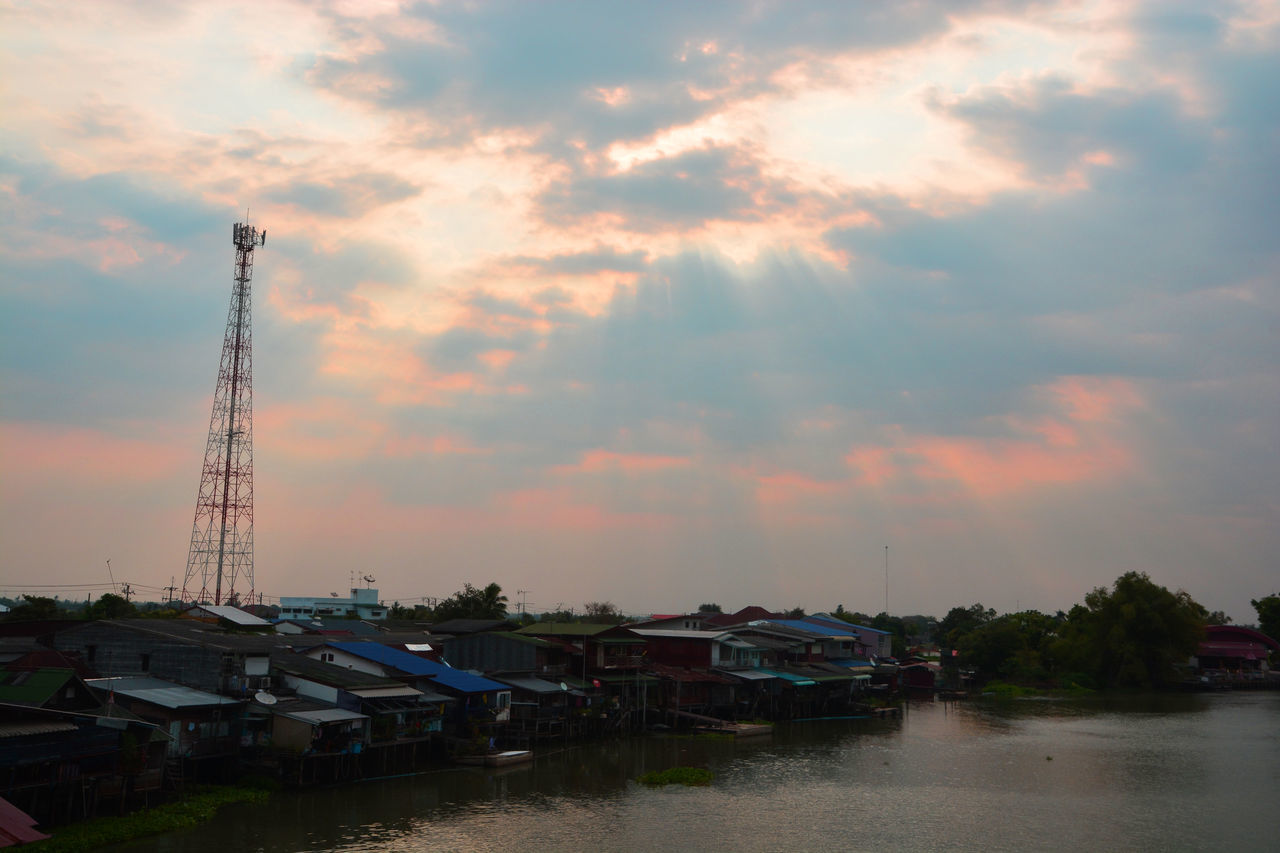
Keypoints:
(36, 453)
(559, 509)
(990, 468)
(789, 486)
(596, 461)
(1094, 399)
(1075, 443)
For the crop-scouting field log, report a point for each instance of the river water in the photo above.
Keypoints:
(1149, 772)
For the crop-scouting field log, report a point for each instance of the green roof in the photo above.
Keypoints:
(32, 686)
(564, 629)
(524, 638)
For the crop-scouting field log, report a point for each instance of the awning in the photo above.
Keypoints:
(797, 680)
(385, 692)
(533, 685)
(749, 674)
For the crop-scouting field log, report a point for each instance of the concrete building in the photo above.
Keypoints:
(362, 604)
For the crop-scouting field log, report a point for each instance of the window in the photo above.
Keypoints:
(327, 657)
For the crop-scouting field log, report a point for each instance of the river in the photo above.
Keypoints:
(1145, 772)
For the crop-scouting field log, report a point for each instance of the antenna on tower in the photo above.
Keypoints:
(221, 552)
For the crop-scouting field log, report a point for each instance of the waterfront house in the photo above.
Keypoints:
(506, 651)
(311, 727)
(478, 701)
(539, 708)
(184, 651)
(202, 726)
(1234, 651)
(58, 764)
(398, 712)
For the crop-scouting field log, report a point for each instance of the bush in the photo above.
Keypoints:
(678, 776)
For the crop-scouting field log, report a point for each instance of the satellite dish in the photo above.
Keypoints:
(264, 698)
(564, 686)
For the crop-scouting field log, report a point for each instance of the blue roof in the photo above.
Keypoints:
(816, 627)
(411, 664)
(814, 620)
(797, 680)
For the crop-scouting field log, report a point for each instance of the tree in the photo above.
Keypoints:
(472, 603)
(710, 607)
(1136, 633)
(35, 607)
(960, 621)
(1268, 610)
(897, 630)
(111, 606)
(1016, 646)
(601, 611)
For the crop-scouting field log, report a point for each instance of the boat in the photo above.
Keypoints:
(503, 758)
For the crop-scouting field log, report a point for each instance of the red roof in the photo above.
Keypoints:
(1247, 651)
(16, 826)
(1238, 634)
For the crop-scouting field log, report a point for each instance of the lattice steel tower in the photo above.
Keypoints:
(221, 553)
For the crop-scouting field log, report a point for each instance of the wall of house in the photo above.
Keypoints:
(114, 650)
(337, 657)
(679, 651)
(491, 653)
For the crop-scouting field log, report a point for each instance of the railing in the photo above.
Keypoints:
(622, 661)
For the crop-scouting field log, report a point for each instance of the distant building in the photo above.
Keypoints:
(363, 604)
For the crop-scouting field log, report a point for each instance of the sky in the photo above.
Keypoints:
(790, 304)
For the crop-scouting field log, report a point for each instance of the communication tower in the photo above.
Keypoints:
(221, 553)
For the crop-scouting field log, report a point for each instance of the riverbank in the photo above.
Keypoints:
(194, 809)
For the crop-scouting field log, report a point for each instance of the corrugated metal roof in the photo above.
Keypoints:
(677, 633)
(324, 715)
(34, 727)
(564, 629)
(232, 614)
(749, 674)
(166, 694)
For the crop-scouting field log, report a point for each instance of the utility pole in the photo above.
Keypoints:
(522, 593)
(126, 590)
(171, 589)
(886, 580)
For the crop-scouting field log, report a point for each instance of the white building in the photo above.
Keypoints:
(363, 604)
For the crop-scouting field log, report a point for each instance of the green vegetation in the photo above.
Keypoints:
(678, 776)
(99, 832)
(1135, 634)
(1268, 610)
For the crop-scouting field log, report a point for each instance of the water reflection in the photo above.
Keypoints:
(1139, 772)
